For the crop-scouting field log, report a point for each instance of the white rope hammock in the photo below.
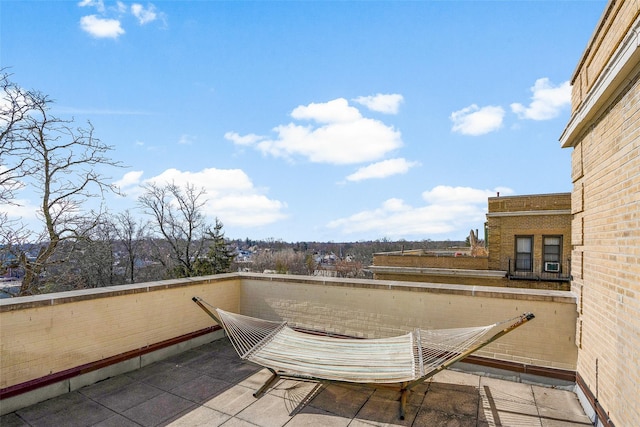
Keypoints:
(386, 360)
(406, 360)
(398, 359)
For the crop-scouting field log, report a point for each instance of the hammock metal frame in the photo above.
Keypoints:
(399, 362)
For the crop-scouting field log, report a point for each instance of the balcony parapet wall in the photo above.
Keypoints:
(49, 334)
(380, 308)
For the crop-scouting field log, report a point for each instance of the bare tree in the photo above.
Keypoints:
(349, 268)
(285, 261)
(178, 217)
(59, 163)
(97, 259)
(131, 233)
(15, 105)
(88, 262)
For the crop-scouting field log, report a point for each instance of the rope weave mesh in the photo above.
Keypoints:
(439, 345)
(248, 334)
(386, 360)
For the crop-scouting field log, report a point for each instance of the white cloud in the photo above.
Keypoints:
(212, 180)
(231, 196)
(388, 104)
(547, 101)
(237, 139)
(107, 24)
(121, 7)
(247, 210)
(448, 210)
(98, 4)
(20, 209)
(186, 139)
(443, 194)
(129, 180)
(336, 111)
(101, 27)
(143, 15)
(382, 169)
(342, 136)
(475, 121)
(12, 98)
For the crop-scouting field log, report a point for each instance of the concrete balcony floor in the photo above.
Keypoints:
(211, 386)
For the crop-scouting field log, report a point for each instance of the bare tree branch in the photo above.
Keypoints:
(179, 218)
(16, 105)
(59, 162)
(131, 233)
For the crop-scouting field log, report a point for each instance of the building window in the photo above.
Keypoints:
(524, 253)
(551, 253)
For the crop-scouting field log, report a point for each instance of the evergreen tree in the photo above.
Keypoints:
(219, 257)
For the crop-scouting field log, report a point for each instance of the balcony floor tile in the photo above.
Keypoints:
(211, 386)
(159, 409)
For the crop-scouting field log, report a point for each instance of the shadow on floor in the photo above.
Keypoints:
(211, 386)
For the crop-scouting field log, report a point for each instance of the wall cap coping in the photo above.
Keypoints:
(530, 213)
(431, 254)
(525, 196)
(438, 271)
(567, 297)
(23, 303)
(55, 298)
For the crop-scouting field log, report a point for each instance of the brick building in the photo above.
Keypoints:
(604, 135)
(529, 246)
(530, 236)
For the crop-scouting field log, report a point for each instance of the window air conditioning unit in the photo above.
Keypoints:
(552, 267)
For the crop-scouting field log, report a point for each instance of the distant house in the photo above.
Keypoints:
(528, 245)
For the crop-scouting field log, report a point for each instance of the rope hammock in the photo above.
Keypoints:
(406, 359)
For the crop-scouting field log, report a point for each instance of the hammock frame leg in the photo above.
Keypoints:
(403, 401)
(274, 376)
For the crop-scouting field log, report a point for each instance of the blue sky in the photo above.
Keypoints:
(327, 121)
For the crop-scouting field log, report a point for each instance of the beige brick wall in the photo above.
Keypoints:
(431, 261)
(606, 223)
(434, 278)
(537, 215)
(536, 226)
(533, 202)
(372, 309)
(474, 281)
(577, 197)
(607, 259)
(605, 40)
